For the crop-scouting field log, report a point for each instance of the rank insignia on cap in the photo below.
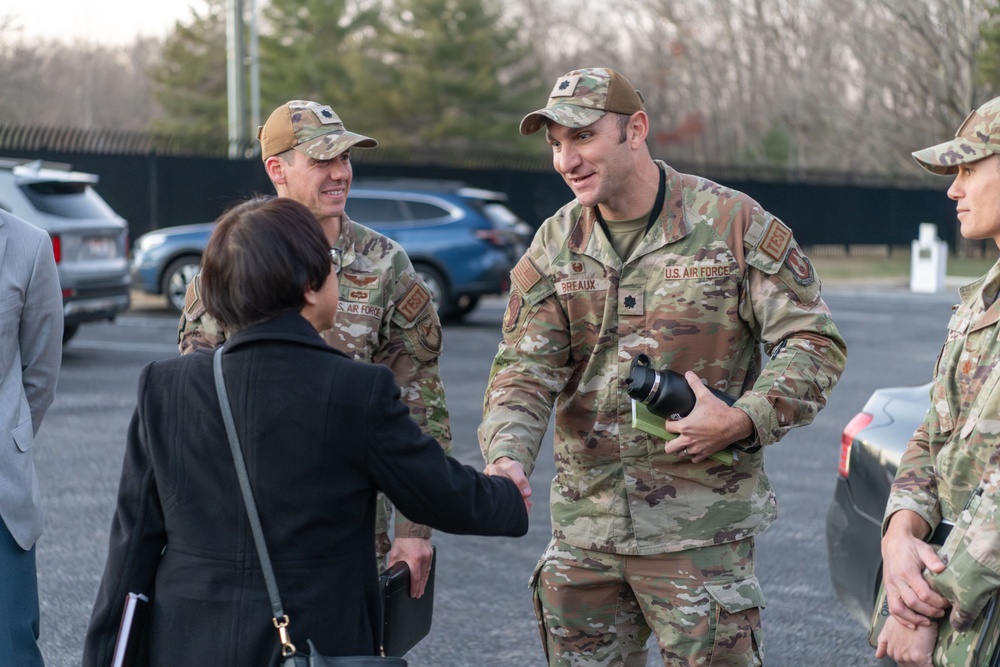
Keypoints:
(325, 114)
(565, 86)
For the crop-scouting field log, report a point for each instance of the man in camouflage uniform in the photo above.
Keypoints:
(949, 473)
(385, 314)
(651, 536)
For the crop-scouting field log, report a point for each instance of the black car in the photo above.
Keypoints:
(871, 447)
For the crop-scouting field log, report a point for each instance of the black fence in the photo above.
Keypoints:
(152, 191)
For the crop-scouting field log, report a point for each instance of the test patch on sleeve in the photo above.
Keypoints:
(775, 241)
(413, 302)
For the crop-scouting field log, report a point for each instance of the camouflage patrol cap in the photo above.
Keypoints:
(977, 138)
(582, 97)
(310, 128)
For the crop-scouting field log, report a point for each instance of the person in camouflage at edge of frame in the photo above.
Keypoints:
(385, 314)
(949, 472)
(651, 536)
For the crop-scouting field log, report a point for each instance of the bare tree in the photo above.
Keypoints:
(798, 86)
(80, 85)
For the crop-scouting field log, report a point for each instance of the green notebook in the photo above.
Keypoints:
(647, 422)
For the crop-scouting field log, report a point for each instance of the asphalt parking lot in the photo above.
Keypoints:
(482, 609)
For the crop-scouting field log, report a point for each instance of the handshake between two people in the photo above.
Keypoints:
(711, 426)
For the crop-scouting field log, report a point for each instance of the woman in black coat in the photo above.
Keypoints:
(320, 433)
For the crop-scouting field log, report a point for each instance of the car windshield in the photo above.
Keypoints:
(67, 199)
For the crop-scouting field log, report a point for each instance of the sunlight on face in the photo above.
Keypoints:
(976, 191)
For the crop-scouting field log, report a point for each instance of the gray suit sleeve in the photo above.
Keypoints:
(40, 334)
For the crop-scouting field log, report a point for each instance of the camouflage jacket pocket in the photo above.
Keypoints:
(971, 578)
(738, 595)
(974, 648)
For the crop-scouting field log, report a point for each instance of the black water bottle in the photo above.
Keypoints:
(665, 392)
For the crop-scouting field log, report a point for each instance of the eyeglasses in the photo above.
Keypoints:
(336, 258)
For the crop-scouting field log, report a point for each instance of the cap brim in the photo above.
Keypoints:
(945, 158)
(568, 115)
(331, 145)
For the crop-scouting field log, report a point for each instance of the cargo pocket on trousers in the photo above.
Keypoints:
(536, 601)
(738, 638)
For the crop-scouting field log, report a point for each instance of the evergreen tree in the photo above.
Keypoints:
(419, 75)
(319, 50)
(460, 76)
(190, 81)
(989, 53)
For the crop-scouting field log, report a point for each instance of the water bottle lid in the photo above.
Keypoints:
(642, 380)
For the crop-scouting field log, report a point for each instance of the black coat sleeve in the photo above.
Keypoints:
(136, 542)
(425, 484)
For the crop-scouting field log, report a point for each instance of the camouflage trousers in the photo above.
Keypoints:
(597, 609)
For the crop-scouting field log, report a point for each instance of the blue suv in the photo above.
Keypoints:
(462, 241)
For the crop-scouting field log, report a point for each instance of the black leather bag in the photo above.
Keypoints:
(405, 620)
(314, 659)
(289, 656)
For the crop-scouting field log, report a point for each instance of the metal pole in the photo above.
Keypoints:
(254, 77)
(235, 87)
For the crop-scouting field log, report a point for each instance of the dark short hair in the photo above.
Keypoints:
(622, 120)
(261, 257)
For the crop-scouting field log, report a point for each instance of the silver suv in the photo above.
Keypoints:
(89, 240)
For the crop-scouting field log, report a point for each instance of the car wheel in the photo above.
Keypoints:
(438, 288)
(69, 330)
(179, 273)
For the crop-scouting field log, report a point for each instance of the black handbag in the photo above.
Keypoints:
(290, 657)
(405, 620)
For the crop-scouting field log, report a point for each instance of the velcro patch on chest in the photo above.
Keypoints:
(630, 302)
(413, 302)
(564, 287)
(359, 295)
(361, 309)
(368, 281)
(698, 271)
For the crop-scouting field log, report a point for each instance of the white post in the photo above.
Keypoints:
(928, 261)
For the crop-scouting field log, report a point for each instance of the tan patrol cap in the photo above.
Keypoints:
(977, 138)
(310, 128)
(582, 97)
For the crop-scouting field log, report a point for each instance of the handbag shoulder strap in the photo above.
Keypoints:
(280, 618)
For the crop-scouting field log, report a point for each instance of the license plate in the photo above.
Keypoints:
(100, 247)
